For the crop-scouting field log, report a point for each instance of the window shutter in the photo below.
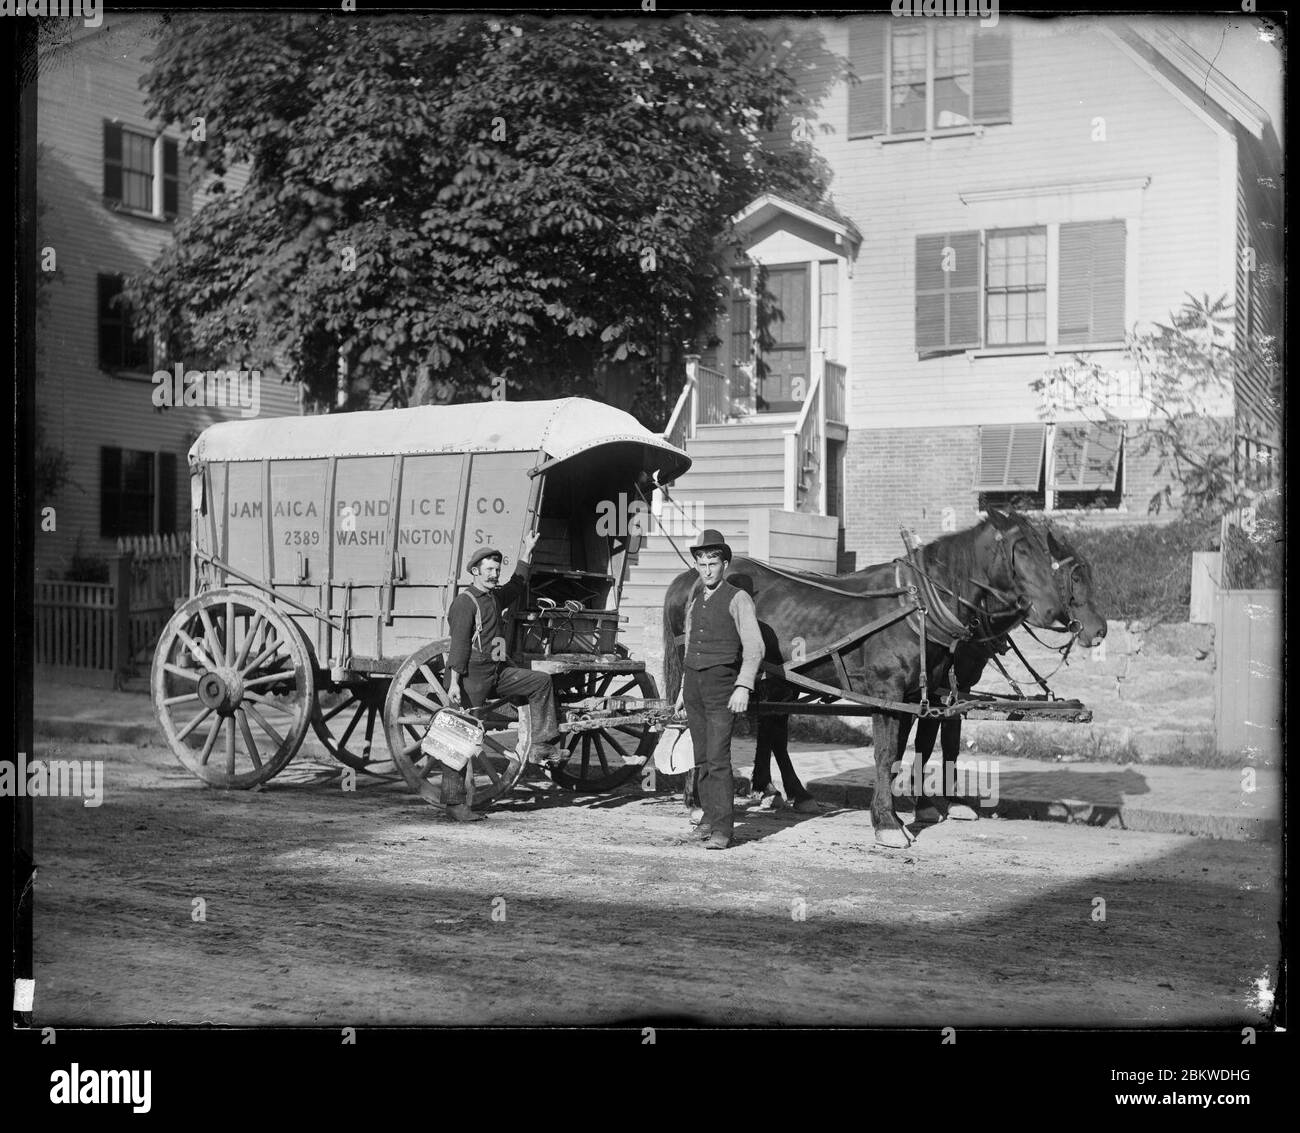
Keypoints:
(991, 81)
(166, 493)
(112, 162)
(1011, 458)
(171, 178)
(1091, 305)
(1086, 457)
(867, 96)
(110, 335)
(110, 480)
(947, 302)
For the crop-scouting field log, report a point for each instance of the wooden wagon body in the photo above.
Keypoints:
(343, 538)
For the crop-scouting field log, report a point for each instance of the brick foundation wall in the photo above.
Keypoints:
(908, 477)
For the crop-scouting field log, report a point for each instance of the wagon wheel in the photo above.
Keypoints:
(233, 687)
(345, 719)
(415, 695)
(605, 758)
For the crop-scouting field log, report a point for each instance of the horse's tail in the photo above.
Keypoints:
(674, 651)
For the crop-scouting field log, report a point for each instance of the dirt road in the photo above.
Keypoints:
(321, 906)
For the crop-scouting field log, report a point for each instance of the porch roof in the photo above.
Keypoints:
(768, 207)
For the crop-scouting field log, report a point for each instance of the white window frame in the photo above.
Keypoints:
(155, 210)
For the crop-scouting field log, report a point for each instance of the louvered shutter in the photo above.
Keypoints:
(991, 82)
(1086, 457)
(947, 301)
(1091, 304)
(867, 96)
(171, 178)
(112, 162)
(1011, 457)
(166, 493)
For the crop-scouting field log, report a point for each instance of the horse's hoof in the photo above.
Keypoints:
(895, 839)
(928, 815)
(807, 806)
(963, 813)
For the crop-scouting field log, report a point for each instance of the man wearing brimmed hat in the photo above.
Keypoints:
(723, 650)
(478, 668)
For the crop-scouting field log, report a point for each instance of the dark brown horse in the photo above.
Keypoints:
(990, 578)
(1083, 620)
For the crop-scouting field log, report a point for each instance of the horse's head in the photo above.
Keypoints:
(1074, 579)
(1019, 563)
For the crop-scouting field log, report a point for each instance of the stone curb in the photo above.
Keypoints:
(1242, 828)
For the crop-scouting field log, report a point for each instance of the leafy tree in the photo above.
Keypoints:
(463, 205)
(1186, 369)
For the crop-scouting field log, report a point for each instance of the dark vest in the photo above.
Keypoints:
(714, 638)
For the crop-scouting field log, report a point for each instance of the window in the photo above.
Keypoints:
(137, 492)
(828, 331)
(1086, 261)
(916, 77)
(141, 171)
(1033, 467)
(118, 348)
(1016, 287)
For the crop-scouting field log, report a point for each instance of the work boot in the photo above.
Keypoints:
(702, 832)
(545, 754)
(462, 812)
(717, 841)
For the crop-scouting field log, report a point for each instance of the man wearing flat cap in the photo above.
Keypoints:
(724, 647)
(478, 668)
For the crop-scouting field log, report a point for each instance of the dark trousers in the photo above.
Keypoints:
(706, 693)
(484, 683)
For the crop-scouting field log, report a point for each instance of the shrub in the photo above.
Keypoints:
(1145, 571)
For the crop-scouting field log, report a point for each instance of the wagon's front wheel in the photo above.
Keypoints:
(349, 721)
(233, 687)
(416, 694)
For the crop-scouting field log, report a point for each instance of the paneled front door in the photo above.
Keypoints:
(783, 364)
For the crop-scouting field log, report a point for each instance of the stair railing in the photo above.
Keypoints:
(805, 447)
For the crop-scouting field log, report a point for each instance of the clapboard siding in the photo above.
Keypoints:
(1065, 75)
(83, 408)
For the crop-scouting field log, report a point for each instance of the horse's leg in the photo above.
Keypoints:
(927, 730)
(889, 831)
(766, 740)
(795, 791)
(950, 741)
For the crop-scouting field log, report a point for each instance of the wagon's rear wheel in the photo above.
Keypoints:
(349, 721)
(233, 687)
(605, 758)
(415, 695)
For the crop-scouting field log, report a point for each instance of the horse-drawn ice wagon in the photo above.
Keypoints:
(327, 550)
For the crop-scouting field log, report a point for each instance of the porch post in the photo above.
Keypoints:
(693, 380)
(819, 383)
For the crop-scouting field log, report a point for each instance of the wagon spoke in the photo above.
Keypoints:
(265, 655)
(269, 704)
(211, 741)
(270, 731)
(336, 709)
(215, 648)
(600, 752)
(422, 701)
(185, 731)
(620, 692)
(604, 684)
(196, 650)
(430, 676)
(181, 698)
(248, 738)
(609, 737)
(586, 753)
(177, 671)
(254, 628)
(230, 633)
(230, 745)
(352, 727)
(269, 679)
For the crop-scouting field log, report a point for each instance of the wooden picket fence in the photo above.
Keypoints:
(104, 633)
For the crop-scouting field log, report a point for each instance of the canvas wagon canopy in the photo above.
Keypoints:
(560, 429)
